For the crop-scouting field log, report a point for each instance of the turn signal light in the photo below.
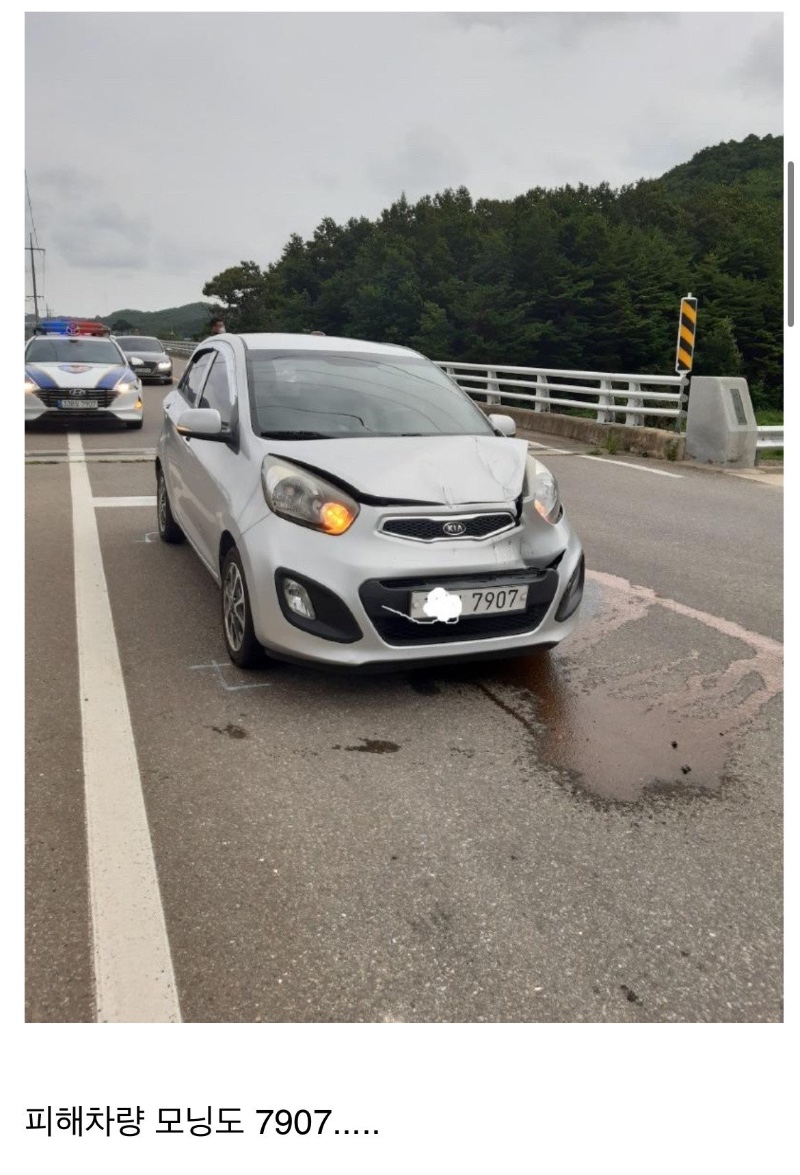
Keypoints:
(335, 517)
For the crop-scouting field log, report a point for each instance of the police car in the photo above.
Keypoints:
(75, 371)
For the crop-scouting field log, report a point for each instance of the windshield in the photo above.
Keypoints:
(72, 350)
(138, 343)
(302, 394)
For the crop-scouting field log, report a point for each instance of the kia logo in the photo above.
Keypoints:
(454, 528)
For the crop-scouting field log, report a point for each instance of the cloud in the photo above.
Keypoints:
(426, 163)
(762, 65)
(567, 29)
(89, 227)
(274, 121)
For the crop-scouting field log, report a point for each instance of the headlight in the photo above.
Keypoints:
(540, 485)
(305, 498)
(126, 385)
(31, 385)
(164, 364)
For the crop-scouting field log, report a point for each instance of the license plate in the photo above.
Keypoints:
(478, 601)
(77, 403)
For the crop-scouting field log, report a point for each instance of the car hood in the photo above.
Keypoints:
(148, 356)
(77, 375)
(452, 470)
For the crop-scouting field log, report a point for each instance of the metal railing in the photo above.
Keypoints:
(770, 436)
(608, 396)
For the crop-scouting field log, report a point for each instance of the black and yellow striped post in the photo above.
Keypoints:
(687, 329)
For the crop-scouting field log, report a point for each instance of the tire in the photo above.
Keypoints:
(134, 423)
(237, 619)
(168, 529)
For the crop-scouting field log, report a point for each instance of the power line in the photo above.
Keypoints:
(30, 248)
(30, 209)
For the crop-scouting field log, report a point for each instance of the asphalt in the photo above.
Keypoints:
(590, 835)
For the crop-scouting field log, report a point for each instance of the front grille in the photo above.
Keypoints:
(431, 530)
(52, 396)
(379, 595)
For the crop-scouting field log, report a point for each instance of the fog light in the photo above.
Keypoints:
(298, 599)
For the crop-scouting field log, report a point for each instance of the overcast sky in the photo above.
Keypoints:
(197, 140)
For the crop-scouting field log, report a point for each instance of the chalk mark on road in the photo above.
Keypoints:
(219, 668)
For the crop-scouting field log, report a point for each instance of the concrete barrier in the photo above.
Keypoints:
(646, 442)
(720, 422)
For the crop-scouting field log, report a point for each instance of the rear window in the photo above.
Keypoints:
(138, 343)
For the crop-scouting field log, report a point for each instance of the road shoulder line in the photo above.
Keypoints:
(134, 976)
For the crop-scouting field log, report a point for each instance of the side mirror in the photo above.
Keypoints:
(507, 425)
(204, 424)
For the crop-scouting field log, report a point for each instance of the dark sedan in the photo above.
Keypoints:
(155, 365)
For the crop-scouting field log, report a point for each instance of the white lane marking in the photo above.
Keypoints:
(630, 465)
(733, 689)
(549, 449)
(134, 976)
(647, 596)
(144, 501)
(545, 450)
(84, 459)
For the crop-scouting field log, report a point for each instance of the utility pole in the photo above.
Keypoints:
(30, 249)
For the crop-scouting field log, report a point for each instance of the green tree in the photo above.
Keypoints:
(242, 289)
(716, 352)
(574, 277)
(434, 337)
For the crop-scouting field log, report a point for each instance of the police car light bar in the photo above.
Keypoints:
(70, 326)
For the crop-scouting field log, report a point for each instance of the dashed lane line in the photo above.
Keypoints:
(140, 501)
(631, 465)
(134, 975)
(546, 451)
(58, 457)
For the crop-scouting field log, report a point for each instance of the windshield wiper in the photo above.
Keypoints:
(297, 435)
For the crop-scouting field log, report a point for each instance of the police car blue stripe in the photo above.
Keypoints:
(39, 376)
(112, 377)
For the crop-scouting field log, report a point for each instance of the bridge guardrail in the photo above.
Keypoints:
(634, 397)
(770, 436)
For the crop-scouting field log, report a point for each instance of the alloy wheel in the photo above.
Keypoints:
(234, 607)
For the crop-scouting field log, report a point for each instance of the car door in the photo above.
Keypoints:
(176, 453)
(210, 466)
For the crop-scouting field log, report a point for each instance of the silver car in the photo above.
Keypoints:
(152, 364)
(358, 509)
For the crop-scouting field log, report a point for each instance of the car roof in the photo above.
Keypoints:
(280, 342)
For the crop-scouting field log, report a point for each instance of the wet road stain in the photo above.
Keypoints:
(629, 728)
(373, 746)
(630, 994)
(231, 730)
